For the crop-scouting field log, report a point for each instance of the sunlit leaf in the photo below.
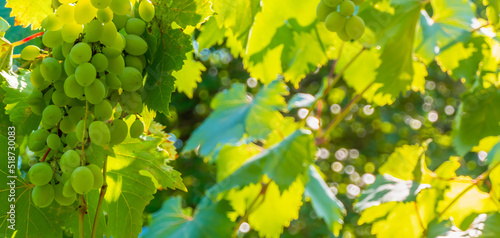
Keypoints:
(29, 12)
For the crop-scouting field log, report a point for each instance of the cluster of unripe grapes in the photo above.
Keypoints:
(89, 79)
(338, 16)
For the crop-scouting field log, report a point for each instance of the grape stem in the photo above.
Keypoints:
(81, 214)
(84, 130)
(251, 208)
(101, 197)
(45, 155)
(27, 39)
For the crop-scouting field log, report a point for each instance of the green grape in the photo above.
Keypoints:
(135, 26)
(131, 102)
(51, 23)
(52, 38)
(84, 12)
(104, 15)
(146, 10)
(54, 142)
(37, 79)
(35, 98)
(85, 74)
(100, 4)
(116, 64)
(71, 31)
(57, 52)
(109, 34)
(121, 7)
(59, 84)
(103, 110)
(82, 180)
(71, 159)
(76, 114)
(30, 52)
(37, 139)
(71, 139)
(51, 115)
(68, 190)
(40, 174)
(335, 22)
(79, 130)
(332, 3)
(114, 97)
(347, 8)
(65, 13)
(66, 125)
(95, 92)
(42, 196)
(358, 2)
(59, 98)
(81, 53)
(66, 48)
(355, 27)
(112, 81)
(135, 45)
(72, 88)
(343, 35)
(131, 79)
(134, 61)
(120, 20)
(99, 133)
(60, 198)
(93, 31)
(323, 10)
(119, 130)
(143, 61)
(50, 69)
(136, 129)
(68, 67)
(98, 179)
(116, 48)
(100, 62)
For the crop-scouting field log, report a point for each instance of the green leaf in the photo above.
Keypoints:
(30, 221)
(4, 26)
(324, 202)
(476, 119)
(491, 226)
(207, 222)
(439, 228)
(402, 162)
(493, 157)
(403, 221)
(230, 158)
(130, 186)
(282, 163)
(170, 54)
(17, 90)
(235, 114)
(388, 189)
(183, 12)
(189, 76)
(451, 20)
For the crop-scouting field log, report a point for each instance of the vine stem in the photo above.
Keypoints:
(81, 214)
(17, 43)
(101, 197)
(250, 208)
(481, 178)
(84, 130)
(45, 155)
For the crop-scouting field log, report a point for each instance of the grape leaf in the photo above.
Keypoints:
(17, 89)
(29, 12)
(451, 19)
(491, 226)
(403, 221)
(282, 163)
(401, 163)
(230, 158)
(171, 51)
(235, 114)
(4, 26)
(210, 35)
(189, 75)
(324, 202)
(30, 221)
(173, 221)
(184, 13)
(5, 54)
(476, 119)
(130, 186)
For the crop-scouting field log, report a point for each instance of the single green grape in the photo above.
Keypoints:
(335, 22)
(65, 13)
(135, 45)
(70, 158)
(54, 142)
(72, 88)
(131, 79)
(71, 31)
(105, 15)
(136, 129)
(68, 190)
(135, 26)
(103, 110)
(51, 23)
(66, 48)
(112, 81)
(40, 174)
(37, 140)
(95, 92)
(100, 62)
(93, 31)
(30, 52)
(98, 179)
(42, 196)
(82, 180)
(66, 125)
(85, 74)
(37, 79)
(59, 98)
(109, 34)
(76, 114)
(57, 52)
(116, 48)
(343, 35)
(60, 198)
(116, 64)
(131, 102)
(119, 130)
(355, 27)
(71, 139)
(99, 133)
(146, 10)
(84, 12)
(50, 69)
(81, 53)
(347, 8)
(51, 115)
(323, 10)
(100, 4)
(121, 7)
(134, 61)
(120, 20)
(68, 67)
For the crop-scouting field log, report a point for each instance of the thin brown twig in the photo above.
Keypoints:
(101, 197)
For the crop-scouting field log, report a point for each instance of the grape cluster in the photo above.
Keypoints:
(89, 80)
(338, 16)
